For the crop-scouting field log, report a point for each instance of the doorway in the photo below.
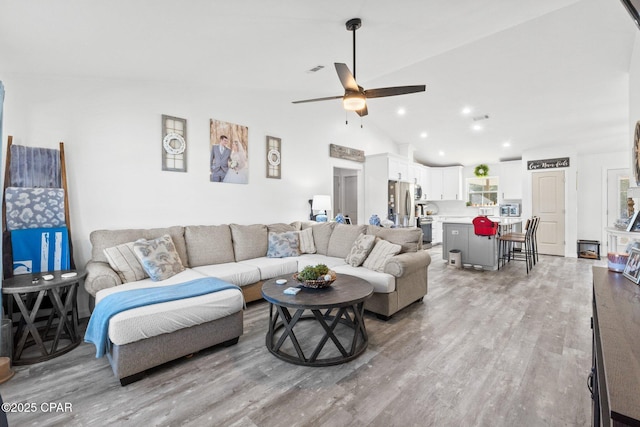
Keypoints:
(548, 204)
(345, 193)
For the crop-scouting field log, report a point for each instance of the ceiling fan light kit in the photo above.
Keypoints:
(355, 97)
(354, 101)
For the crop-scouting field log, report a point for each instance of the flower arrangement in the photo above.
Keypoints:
(481, 171)
(233, 164)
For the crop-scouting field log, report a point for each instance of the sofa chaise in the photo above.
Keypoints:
(245, 255)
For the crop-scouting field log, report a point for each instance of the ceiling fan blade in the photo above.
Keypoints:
(363, 112)
(318, 99)
(392, 91)
(346, 78)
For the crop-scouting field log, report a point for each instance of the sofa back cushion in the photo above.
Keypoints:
(280, 227)
(102, 239)
(409, 238)
(249, 241)
(342, 239)
(208, 244)
(321, 235)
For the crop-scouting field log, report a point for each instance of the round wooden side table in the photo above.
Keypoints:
(42, 334)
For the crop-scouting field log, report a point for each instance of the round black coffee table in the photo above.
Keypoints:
(338, 310)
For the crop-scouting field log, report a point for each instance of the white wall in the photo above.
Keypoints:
(112, 136)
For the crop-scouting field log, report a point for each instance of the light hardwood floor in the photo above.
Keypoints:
(483, 349)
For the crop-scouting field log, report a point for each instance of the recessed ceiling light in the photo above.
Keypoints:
(401, 111)
(477, 127)
(466, 111)
(441, 152)
(506, 144)
(423, 135)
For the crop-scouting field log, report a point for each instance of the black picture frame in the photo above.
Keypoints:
(632, 269)
(347, 220)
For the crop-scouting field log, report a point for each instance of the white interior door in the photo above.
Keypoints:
(548, 204)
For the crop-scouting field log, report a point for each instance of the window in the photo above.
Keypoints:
(482, 191)
(623, 186)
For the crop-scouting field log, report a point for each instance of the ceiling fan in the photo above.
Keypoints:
(355, 96)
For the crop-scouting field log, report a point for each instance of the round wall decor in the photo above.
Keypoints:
(273, 156)
(174, 143)
(481, 171)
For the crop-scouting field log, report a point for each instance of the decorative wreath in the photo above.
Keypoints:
(172, 147)
(273, 156)
(481, 170)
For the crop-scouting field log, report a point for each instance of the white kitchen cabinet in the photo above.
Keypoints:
(510, 184)
(445, 183)
(398, 169)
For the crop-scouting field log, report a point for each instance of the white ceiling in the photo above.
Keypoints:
(546, 72)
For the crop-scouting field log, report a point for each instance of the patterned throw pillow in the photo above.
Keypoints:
(360, 249)
(307, 246)
(282, 245)
(158, 257)
(380, 254)
(124, 261)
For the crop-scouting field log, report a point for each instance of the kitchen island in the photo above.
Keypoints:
(480, 252)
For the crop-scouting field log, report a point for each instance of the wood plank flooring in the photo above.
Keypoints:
(483, 349)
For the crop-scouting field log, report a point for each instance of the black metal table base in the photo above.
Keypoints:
(281, 319)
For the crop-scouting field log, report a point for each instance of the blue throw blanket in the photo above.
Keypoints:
(98, 328)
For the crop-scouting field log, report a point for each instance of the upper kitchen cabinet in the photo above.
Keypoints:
(445, 183)
(398, 168)
(510, 184)
(378, 170)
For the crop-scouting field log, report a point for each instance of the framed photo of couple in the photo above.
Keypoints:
(229, 152)
(632, 269)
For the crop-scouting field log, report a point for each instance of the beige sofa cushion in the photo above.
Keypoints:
(281, 227)
(102, 239)
(124, 261)
(342, 239)
(249, 241)
(307, 246)
(409, 238)
(321, 235)
(381, 253)
(208, 244)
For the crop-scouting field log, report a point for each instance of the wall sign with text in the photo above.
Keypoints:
(562, 162)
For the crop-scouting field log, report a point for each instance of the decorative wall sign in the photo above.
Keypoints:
(229, 155)
(562, 162)
(346, 153)
(174, 144)
(274, 157)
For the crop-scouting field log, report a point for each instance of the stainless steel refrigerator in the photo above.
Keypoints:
(401, 204)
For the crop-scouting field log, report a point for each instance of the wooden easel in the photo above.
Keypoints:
(7, 257)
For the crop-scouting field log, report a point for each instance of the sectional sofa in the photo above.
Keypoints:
(245, 255)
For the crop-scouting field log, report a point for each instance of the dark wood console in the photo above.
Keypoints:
(615, 376)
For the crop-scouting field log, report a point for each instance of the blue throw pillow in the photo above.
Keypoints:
(282, 245)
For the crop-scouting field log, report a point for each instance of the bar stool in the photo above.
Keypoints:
(507, 241)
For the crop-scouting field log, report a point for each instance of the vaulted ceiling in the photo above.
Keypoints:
(545, 72)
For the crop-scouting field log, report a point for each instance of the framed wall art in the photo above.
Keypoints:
(229, 152)
(174, 144)
(274, 157)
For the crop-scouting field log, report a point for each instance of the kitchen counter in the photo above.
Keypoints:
(502, 220)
